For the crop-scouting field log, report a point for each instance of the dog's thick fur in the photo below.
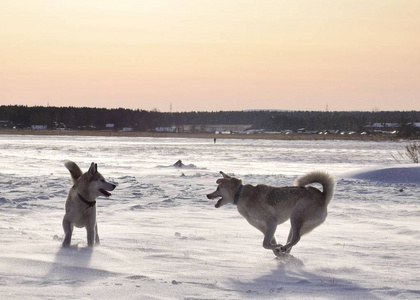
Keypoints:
(264, 207)
(81, 202)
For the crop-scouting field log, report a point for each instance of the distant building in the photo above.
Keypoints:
(213, 128)
(39, 127)
(109, 127)
(5, 124)
(382, 127)
(165, 129)
(86, 127)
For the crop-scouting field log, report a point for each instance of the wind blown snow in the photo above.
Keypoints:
(162, 239)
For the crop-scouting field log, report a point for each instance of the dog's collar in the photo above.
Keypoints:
(237, 194)
(89, 203)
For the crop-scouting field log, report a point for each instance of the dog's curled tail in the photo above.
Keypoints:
(326, 180)
(74, 169)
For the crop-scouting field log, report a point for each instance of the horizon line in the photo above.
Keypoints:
(206, 111)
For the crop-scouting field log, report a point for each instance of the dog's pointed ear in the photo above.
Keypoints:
(219, 181)
(93, 169)
(224, 175)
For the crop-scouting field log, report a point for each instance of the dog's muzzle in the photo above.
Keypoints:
(105, 192)
(211, 197)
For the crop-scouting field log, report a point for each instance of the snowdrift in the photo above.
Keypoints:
(394, 174)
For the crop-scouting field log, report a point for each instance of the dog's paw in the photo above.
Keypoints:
(278, 252)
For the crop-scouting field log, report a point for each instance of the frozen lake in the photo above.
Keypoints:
(143, 155)
(161, 238)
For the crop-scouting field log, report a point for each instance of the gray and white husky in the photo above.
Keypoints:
(81, 202)
(264, 207)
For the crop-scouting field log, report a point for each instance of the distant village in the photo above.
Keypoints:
(376, 128)
(371, 129)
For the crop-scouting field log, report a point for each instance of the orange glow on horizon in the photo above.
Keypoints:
(211, 55)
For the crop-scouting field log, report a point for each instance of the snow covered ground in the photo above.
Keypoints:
(163, 239)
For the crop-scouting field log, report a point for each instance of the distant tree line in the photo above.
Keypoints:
(142, 120)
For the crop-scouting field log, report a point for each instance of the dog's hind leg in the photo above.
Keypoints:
(294, 235)
(68, 230)
(289, 238)
(298, 229)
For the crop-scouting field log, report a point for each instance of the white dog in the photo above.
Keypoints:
(264, 207)
(81, 202)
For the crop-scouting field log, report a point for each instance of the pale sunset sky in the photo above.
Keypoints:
(211, 55)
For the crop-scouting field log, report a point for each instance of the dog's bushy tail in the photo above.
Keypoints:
(326, 180)
(74, 169)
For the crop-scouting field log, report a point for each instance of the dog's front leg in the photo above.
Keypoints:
(90, 230)
(68, 230)
(269, 239)
(96, 235)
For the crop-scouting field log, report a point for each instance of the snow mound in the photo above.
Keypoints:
(394, 174)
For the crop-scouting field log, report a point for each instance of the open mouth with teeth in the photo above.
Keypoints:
(105, 193)
(218, 204)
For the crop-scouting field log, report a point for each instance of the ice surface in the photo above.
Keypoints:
(162, 239)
